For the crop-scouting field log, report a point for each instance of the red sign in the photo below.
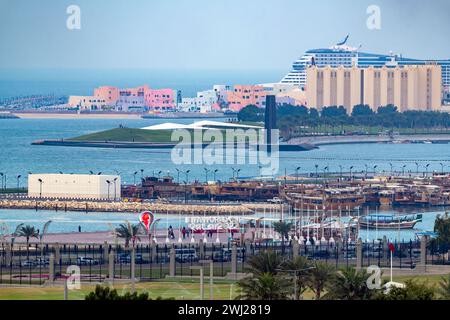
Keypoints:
(146, 218)
(391, 247)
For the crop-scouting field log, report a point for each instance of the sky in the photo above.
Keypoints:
(211, 34)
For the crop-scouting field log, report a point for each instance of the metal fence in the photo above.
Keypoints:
(35, 264)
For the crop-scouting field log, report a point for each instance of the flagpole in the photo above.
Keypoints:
(391, 265)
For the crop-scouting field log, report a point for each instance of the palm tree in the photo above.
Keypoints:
(265, 286)
(129, 232)
(283, 228)
(27, 232)
(300, 266)
(319, 277)
(444, 288)
(265, 262)
(349, 284)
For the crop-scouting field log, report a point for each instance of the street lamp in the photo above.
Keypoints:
(134, 177)
(178, 175)
(351, 176)
(206, 174)
(214, 174)
(2, 175)
(296, 174)
(142, 174)
(403, 169)
(392, 168)
(365, 165)
(18, 182)
(115, 189)
(40, 187)
(442, 167)
(374, 170)
(426, 169)
(417, 168)
(109, 184)
(317, 175)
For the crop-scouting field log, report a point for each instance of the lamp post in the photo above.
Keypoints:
(351, 176)
(2, 175)
(187, 175)
(392, 168)
(417, 168)
(178, 175)
(296, 174)
(142, 174)
(317, 175)
(134, 177)
(40, 187)
(109, 184)
(18, 182)
(403, 170)
(115, 189)
(442, 167)
(365, 175)
(374, 170)
(206, 174)
(426, 169)
(214, 174)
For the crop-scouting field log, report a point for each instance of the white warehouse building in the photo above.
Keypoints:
(74, 186)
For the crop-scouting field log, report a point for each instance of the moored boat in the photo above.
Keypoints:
(389, 221)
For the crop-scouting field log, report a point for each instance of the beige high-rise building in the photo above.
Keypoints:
(415, 87)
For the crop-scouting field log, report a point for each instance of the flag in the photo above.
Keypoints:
(391, 247)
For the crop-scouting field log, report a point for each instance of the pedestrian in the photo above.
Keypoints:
(79, 228)
(183, 231)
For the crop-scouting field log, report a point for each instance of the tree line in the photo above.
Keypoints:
(290, 117)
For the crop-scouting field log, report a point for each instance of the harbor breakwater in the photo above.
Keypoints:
(136, 207)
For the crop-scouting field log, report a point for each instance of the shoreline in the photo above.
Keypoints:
(134, 207)
(76, 116)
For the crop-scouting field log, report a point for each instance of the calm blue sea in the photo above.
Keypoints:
(18, 82)
(18, 157)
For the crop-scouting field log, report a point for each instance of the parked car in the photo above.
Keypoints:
(184, 255)
(28, 264)
(126, 258)
(224, 254)
(42, 261)
(83, 261)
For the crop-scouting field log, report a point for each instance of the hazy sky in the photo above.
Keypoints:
(211, 34)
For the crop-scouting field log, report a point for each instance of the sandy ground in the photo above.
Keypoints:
(75, 116)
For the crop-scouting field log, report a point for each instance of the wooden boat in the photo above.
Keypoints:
(389, 221)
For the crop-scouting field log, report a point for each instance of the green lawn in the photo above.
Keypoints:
(179, 289)
(127, 135)
(134, 135)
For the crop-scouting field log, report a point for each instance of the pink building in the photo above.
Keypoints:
(244, 95)
(107, 93)
(160, 99)
(143, 96)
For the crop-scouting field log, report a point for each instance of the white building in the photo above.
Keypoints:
(87, 103)
(203, 103)
(74, 186)
(131, 101)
